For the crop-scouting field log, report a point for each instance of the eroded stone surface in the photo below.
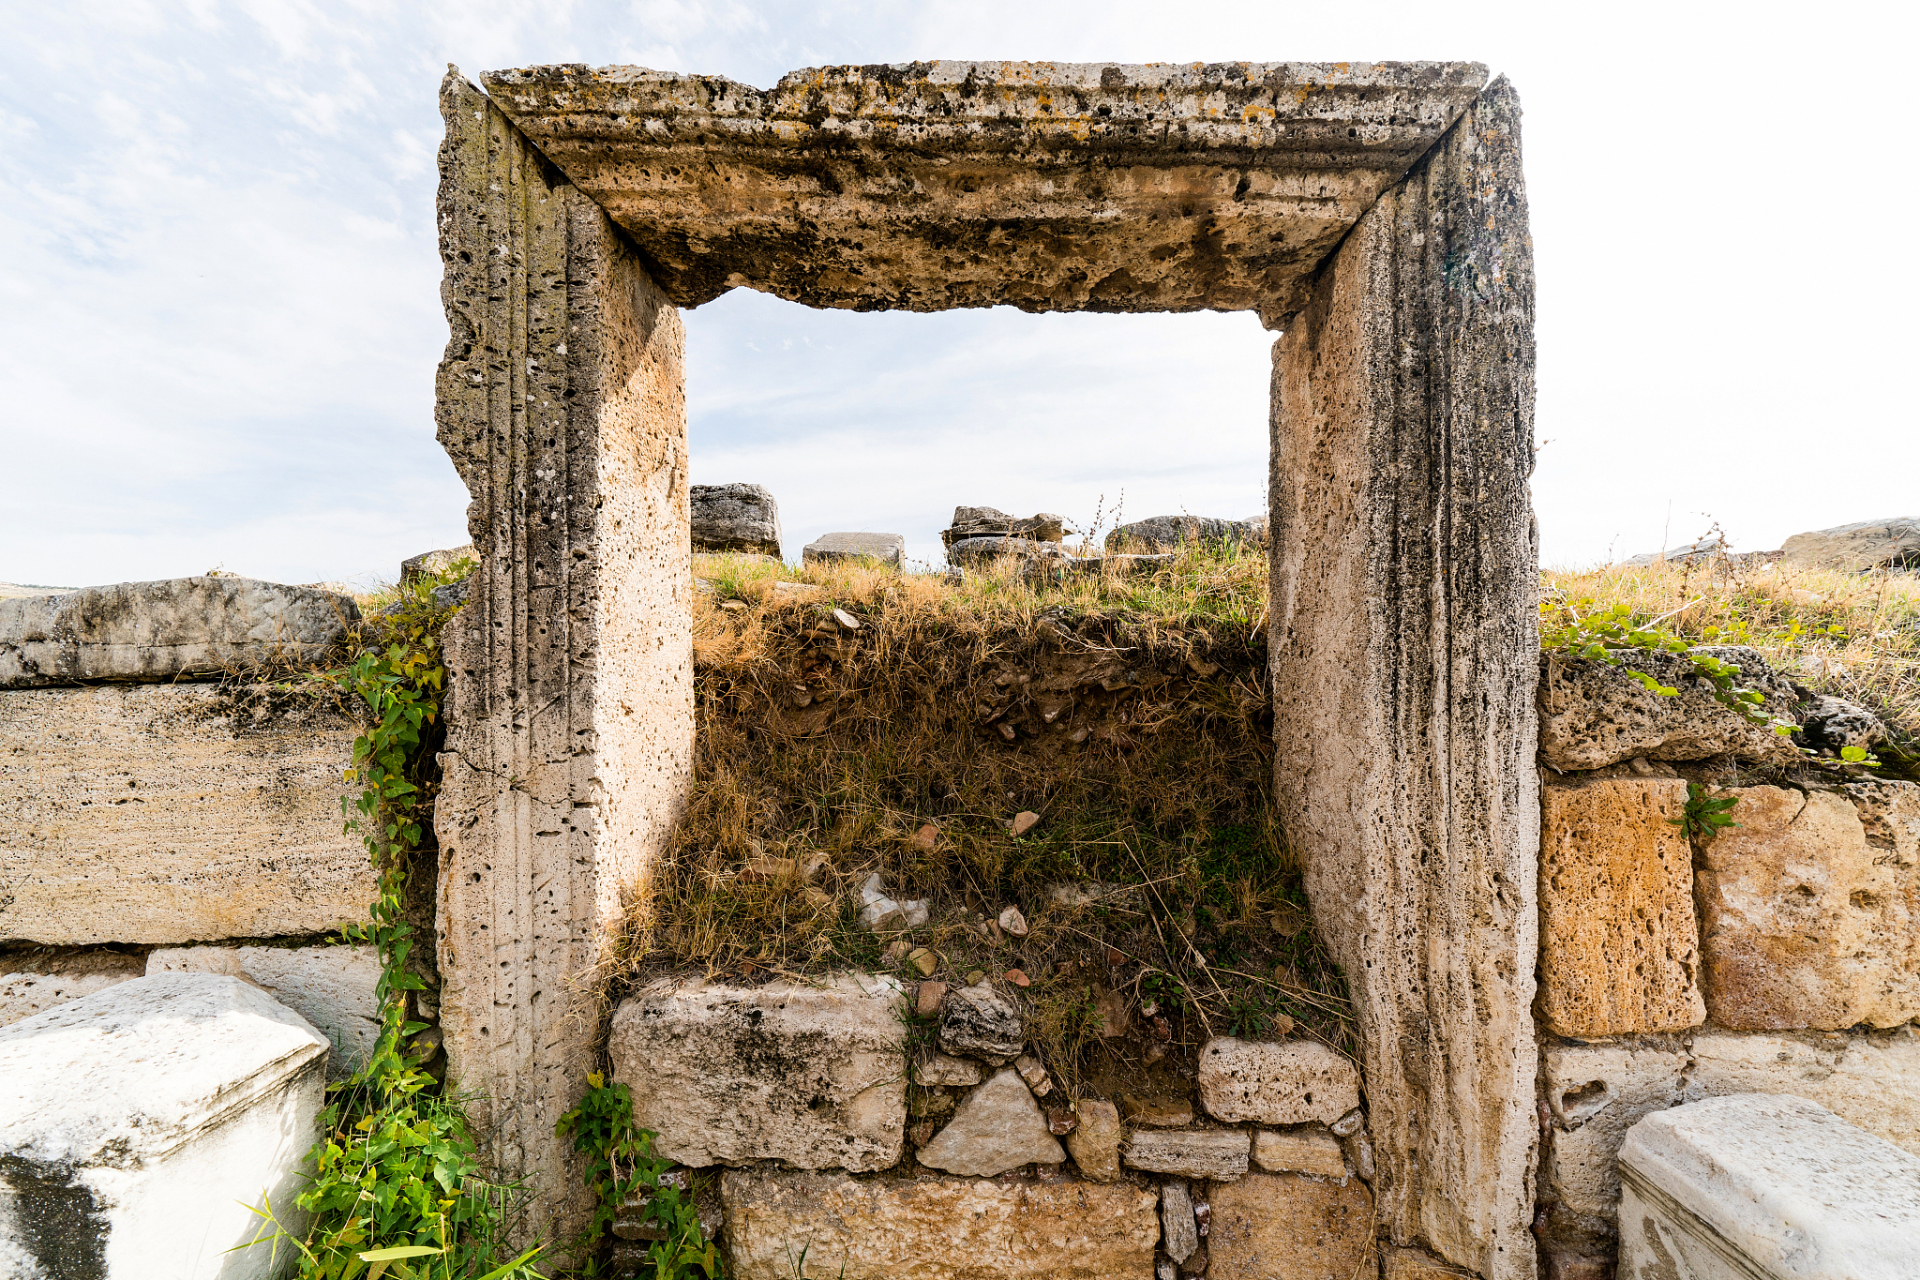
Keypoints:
(1095, 1140)
(1179, 1233)
(174, 813)
(1869, 544)
(1804, 921)
(1619, 948)
(1042, 185)
(31, 984)
(735, 517)
(887, 548)
(1593, 715)
(812, 1075)
(979, 1022)
(1292, 1082)
(1596, 1092)
(1872, 1081)
(140, 1126)
(997, 1127)
(938, 1228)
(436, 563)
(1167, 533)
(1218, 1155)
(332, 987)
(1288, 1225)
(1313, 1151)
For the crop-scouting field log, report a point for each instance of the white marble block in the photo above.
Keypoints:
(143, 1125)
(1765, 1187)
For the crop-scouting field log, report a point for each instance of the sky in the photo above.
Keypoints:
(220, 318)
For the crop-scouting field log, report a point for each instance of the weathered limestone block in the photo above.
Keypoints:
(935, 1228)
(1596, 1093)
(31, 984)
(996, 1128)
(816, 1076)
(991, 522)
(1167, 533)
(979, 1022)
(734, 517)
(1593, 715)
(1870, 544)
(561, 402)
(1285, 1226)
(145, 631)
(1313, 1151)
(138, 1124)
(723, 184)
(966, 551)
(1292, 1082)
(1765, 1187)
(429, 563)
(1095, 1140)
(1869, 1080)
(173, 813)
(1218, 1155)
(332, 987)
(1619, 948)
(887, 548)
(1179, 1230)
(1404, 599)
(1805, 922)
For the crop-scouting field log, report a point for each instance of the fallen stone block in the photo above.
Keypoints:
(1870, 1080)
(815, 1076)
(31, 984)
(436, 563)
(934, 1228)
(887, 548)
(1168, 533)
(1770, 1187)
(741, 518)
(1596, 1092)
(990, 522)
(1313, 1151)
(1593, 715)
(1893, 543)
(996, 1128)
(1287, 1224)
(1217, 1155)
(332, 987)
(174, 813)
(148, 631)
(1619, 947)
(979, 550)
(141, 1126)
(1290, 1082)
(1805, 921)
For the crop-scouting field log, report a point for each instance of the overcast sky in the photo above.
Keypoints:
(221, 317)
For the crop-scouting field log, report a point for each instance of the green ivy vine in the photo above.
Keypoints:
(621, 1164)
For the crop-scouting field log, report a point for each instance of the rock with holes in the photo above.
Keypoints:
(332, 987)
(740, 518)
(1289, 1224)
(1619, 948)
(142, 1127)
(1830, 725)
(1290, 1082)
(433, 564)
(1809, 917)
(31, 984)
(1596, 1092)
(813, 1075)
(996, 1128)
(1593, 715)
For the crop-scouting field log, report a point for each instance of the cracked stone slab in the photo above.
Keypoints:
(997, 1127)
(1289, 1082)
(1217, 1155)
(332, 987)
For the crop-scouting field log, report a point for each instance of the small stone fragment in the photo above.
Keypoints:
(1218, 1155)
(846, 619)
(1034, 1074)
(1115, 956)
(996, 1128)
(1018, 977)
(732, 606)
(979, 1022)
(1110, 1008)
(1179, 1234)
(1013, 922)
(1285, 1083)
(936, 1068)
(894, 950)
(1095, 1141)
(1025, 820)
(1157, 1113)
(927, 999)
(1164, 1270)
(1360, 1151)
(1302, 1151)
(1061, 1121)
(1196, 1265)
(1349, 1124)
(926, 837)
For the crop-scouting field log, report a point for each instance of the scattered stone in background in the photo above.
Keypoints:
(1830, 725)
(1285, 1083)
(1593, 715)
(155, 631)
(926, 838)
(332, 987)
(997, 1127)
(883, 914)
(696, 1058)
(735, 517)
(1095, 1140)
(1179, 1233)
(1870, 544)
(1312, 1151)
(1167, 533)
(1688, 554)
(888, 548)
(1218, 1155)
(33, 983)
(1804, 921)
(436, 563)
(23, 590)
(1618, 944)
(148, 1125)
(976, 550)
(981, 523)
(1286, 1224)
(979, 1022)
(1023, 822)
(1013, 922)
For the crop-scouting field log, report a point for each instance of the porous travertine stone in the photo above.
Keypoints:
(979, 1022)
(569, 713)
(997, 1127)
(1179, 1232)
(886, 548)
(142, 1126)
(143, 631)
(1596, 1092)
(1095, 1140)
(1405, 657)
(1593, 715)
(1868, 1080)
(813, 1075)
(734, 517)
(1803, 921)
(1754, 1187)
(432, 563)
(31, 983)
(332, 987)
(1288, 1225)
(1293, 1082)
(1830, 725)
(1619, 949)
(1870, 544)
(1313, 1151)
(1218, 1155)
(1167, 533)
(1043, 185)
(172, 813)
(936, 1228)
(936, 1068)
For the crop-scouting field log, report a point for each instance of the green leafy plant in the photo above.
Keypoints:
(621, 1164)
(1703, 814)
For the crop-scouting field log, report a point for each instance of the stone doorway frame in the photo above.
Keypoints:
(1404, 572)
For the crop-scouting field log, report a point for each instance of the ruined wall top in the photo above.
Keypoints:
(1045, 186)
